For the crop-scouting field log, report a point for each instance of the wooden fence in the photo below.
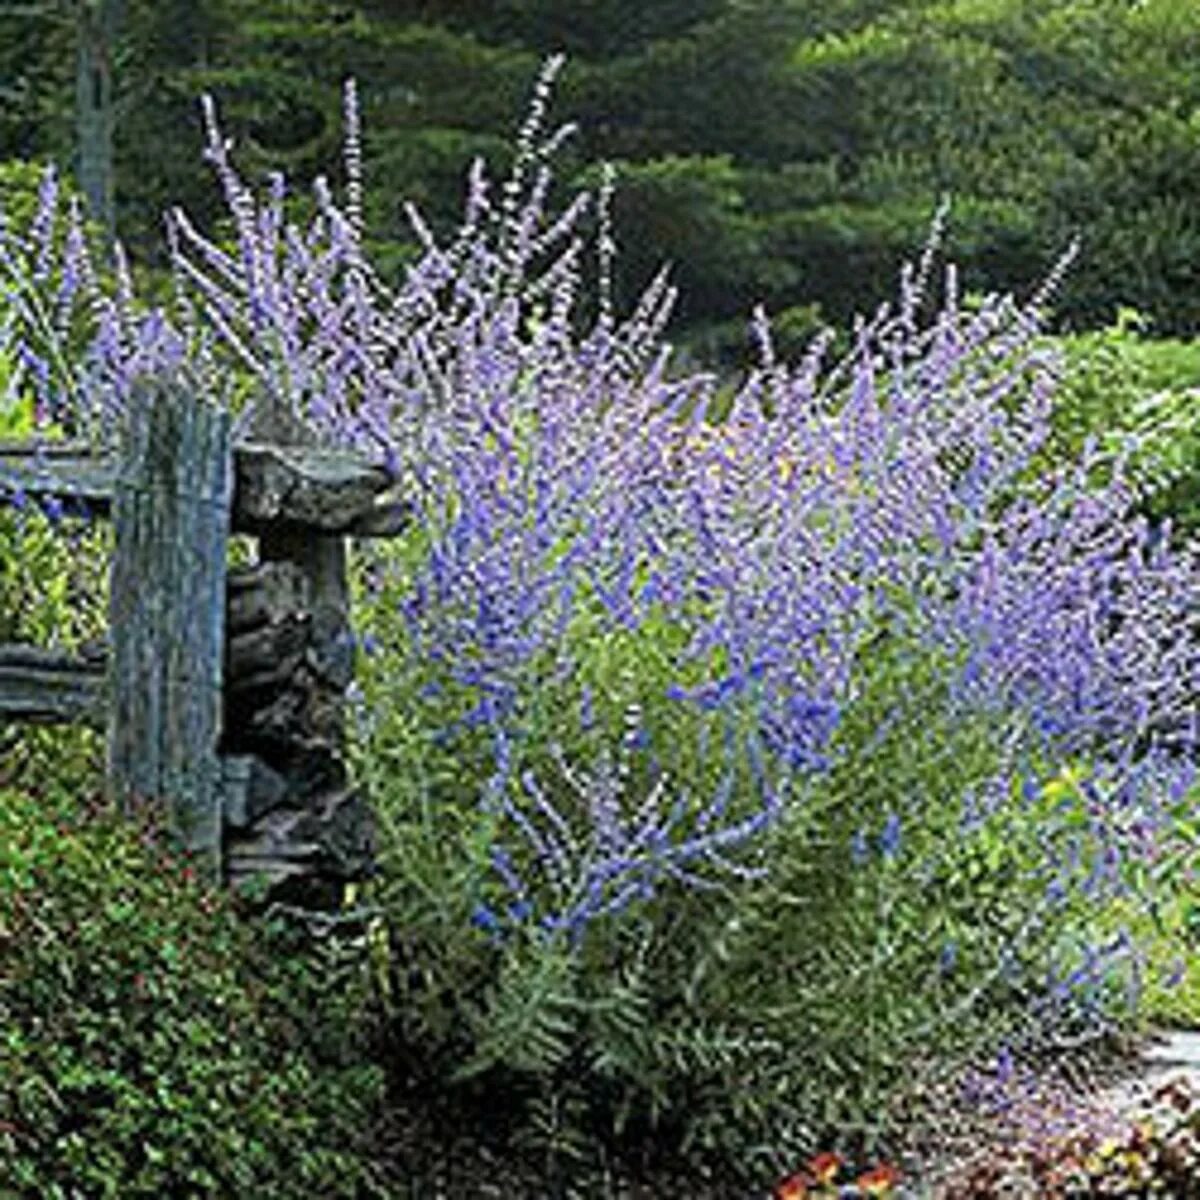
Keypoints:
(220, 691)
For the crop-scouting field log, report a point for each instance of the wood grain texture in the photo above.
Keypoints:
(58, 469)
(51, 686)
(171, 509)
(222, 693)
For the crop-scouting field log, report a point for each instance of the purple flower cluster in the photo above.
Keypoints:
(77, 338)
(576, 505)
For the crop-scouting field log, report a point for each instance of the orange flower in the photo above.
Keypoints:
(879, 1181)
(794, 1187)
(825, 1167)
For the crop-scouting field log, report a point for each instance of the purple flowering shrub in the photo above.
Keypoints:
(732, 774)
(50, 560)
(792, 695)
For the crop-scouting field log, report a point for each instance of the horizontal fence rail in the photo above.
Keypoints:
(52, 687)
(328, 491)
(220, 691)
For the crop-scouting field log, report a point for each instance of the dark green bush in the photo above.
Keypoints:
(154, 1043)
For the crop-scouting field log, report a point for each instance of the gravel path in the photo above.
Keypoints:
(1051, 1112)
(1173, 1054)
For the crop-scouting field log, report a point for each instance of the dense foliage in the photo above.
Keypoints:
(775, 151)
(738, 777)
(1138, 393)
(154, 1043)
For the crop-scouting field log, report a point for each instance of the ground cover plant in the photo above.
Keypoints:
(739, 779)
(154, 1042)
(1058, 1145)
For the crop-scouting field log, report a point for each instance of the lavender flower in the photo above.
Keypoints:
(890, 838)
(587, 543)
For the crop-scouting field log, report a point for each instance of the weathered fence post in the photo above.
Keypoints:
(222, 692)
(171, 509)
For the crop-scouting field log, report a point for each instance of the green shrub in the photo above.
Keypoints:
(1121, 384)
(53, 578)
(18, 191)
(737, 1027)
(154, 1043)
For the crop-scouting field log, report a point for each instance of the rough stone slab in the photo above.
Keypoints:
(333, 837)
(268, 655)
(330, 491)
(265, 593)
(242, 867)
(284, 834)
(249, 789)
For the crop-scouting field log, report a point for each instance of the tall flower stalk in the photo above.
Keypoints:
(645, 647)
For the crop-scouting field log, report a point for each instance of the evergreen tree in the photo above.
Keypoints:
(772, 150)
